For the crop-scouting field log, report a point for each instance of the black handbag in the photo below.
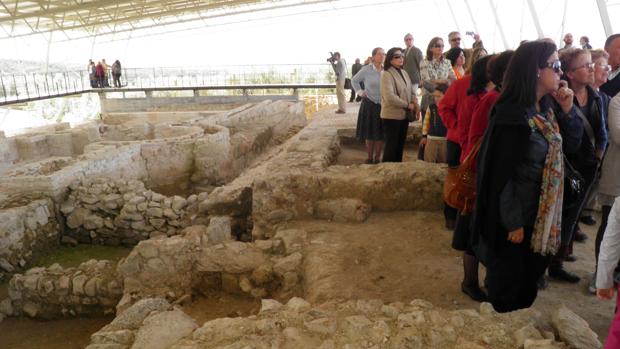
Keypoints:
(574, 184)
(347, 84)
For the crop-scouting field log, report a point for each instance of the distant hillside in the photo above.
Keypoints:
(14, 66)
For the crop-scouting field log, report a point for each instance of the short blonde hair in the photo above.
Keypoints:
(596, 54)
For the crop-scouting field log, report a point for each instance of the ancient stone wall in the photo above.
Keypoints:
(92, 288)
(206, 259)
(351, 324)
(345, 194)
(25, 232)
(104, 211)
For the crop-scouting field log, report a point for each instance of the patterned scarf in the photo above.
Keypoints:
(546, 236)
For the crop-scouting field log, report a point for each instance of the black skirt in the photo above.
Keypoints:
(369, 126)
(462, 234)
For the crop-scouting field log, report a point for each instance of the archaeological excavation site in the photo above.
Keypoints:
(241, 225)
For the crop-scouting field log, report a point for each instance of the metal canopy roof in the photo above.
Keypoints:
(85, 18)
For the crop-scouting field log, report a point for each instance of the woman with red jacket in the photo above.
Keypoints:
(449, 108)
(460, 241)
(480, 117)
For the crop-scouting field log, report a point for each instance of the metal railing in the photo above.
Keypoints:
(18, 88)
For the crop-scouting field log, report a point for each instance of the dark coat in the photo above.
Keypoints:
(503, 148)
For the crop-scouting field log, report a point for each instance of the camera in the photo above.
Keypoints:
(470, 33)
(332, 57)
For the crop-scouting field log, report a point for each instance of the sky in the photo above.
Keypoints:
(306, 34)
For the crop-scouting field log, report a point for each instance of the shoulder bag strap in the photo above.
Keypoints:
(587, 126)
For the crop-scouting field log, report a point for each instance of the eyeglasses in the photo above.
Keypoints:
(408, 39)
(438, 46)
(397, 56)
(589, 66)
(605, 67)
(555, 65)
(455, 39)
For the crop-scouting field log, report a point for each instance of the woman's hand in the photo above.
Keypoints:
(516, 236)
(423, 141)
(363, 94)
(411, 106)
(564, 97)
(605, 293)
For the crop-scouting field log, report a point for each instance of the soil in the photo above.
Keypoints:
(24, 333)
(400, 256)
(219, 305)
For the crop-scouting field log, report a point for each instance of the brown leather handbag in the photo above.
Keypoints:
(459, 189)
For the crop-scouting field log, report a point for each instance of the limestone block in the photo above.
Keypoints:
(133, 316)
(525, 333)
(161, 330)
(77, 217)
(269, 305)
(574, 330)
(233, 257)
(342, 210)
(92, 222)
(298, 304)
(288, 264)
(219, 230)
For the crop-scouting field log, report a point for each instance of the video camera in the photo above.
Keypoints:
(332, 57)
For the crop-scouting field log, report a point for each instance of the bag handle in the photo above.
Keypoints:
(587, 126)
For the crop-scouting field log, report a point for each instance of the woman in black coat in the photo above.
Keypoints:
(519, 165)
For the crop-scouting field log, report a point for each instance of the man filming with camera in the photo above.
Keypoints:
(340, 68)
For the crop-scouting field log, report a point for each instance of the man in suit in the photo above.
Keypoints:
(354, 69)
(413, 57)
(612, 46)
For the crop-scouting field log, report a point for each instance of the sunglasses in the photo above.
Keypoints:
(438, 46)
(555, 65)
(455, 39)
(589, 66)
(397, 56)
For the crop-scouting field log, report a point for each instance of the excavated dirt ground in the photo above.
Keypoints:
(399, 256)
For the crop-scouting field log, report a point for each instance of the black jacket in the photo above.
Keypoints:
(503, 149)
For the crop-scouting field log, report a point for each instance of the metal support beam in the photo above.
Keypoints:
(471, 15)
(498, 23)
(602, 9)
(539, 30)
(564, 20)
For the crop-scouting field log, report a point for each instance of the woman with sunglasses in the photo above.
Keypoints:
(434, 69)
(516, 221)
(579, 72)
(397, 96)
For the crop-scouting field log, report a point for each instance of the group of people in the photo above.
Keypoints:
(100, 73)
(543, 128)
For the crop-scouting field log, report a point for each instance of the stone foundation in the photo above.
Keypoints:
(25, 232)
(198, 260)
(107, 212)
(92, 288)
(349, 325)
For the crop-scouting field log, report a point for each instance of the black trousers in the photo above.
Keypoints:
(511, 279)
(601, 230)
(453, 158)
(395, 133)
(352, 95)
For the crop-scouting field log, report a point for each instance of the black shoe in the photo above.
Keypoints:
(542, 283)
(587, 220)
(580, 236)
(369, 161)
(450, 224)
(570, 258)
(474, 293)
(563, 275)
(377, 161)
